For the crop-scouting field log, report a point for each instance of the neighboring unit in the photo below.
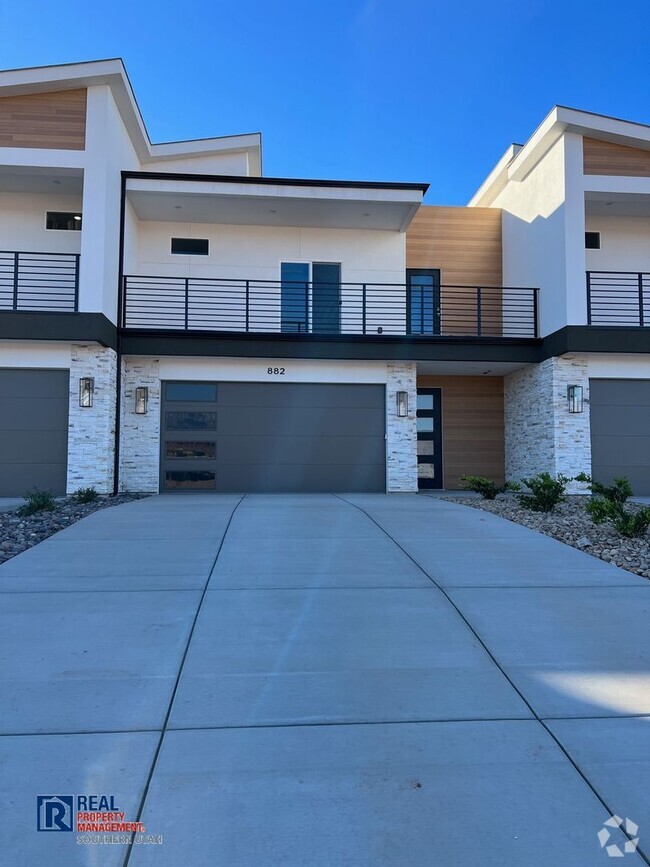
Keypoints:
(171, 320)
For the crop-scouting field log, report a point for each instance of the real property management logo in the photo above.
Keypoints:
(94, 813)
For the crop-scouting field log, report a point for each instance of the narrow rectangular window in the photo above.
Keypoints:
(294, 296)
(63, 221)
(190, 246)
(592, 240)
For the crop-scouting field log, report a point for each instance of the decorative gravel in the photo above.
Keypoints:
(569, 522)
(17, 533)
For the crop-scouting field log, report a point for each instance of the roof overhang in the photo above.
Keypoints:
(71, 76)
(272, 201)
(518, 160)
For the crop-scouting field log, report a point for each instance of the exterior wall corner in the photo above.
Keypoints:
(401, 433)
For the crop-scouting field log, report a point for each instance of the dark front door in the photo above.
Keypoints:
(326, 297)
(423, 300)
(429, 438)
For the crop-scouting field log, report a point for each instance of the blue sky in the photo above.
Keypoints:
(399, 90)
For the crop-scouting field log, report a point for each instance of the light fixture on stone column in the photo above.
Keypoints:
(402, 403)
(575, 398)
(86, 391)
(141, 399)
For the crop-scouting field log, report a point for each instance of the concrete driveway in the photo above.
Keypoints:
(322, 680)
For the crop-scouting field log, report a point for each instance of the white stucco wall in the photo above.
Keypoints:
(217, 164)
(108, 152)
(22, 222)
(543, 234)
(255, 252)
(624, 243)
(533, 236)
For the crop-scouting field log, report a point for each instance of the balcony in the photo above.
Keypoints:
(618, 298)
(39, 282)
(368, 310)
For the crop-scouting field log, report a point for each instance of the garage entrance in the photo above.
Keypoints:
(620, 431)
(33, 431)
(234, 437)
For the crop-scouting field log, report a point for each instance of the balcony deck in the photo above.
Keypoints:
(367, 310)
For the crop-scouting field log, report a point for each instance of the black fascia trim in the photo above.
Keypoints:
(285, 182)
(335, 347)
(596, 338)
(30, 325)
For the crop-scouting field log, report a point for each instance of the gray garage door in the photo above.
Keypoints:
(620, 431)
(33, 431)
(272, 437)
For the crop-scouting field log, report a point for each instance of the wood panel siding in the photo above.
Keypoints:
(465, 245)
(472, 426)
(606, 158)
(44, 120)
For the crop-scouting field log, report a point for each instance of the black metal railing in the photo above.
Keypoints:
(366, 309)
(618, 298)
(39, 281)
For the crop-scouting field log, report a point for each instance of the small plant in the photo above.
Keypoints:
(620, 492)
(545, 492)
(632, 524)
(37, 501)
(609, 505)
(85, 495)
(487, 488)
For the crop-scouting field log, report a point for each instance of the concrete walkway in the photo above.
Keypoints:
(322, 680)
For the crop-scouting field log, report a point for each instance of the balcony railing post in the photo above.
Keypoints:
(248, 304)
(641, 317)
(479, 313)
(588, 297)
(187, 303)
(535, 313)
(76, 282)
(363, 308)
(307, 287)
(15, 295)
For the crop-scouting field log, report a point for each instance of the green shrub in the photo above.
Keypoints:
(85, 495)
(545, 492)
(487, 488)
(598, 510)
(619, 492)
(631, 524)
(37, 501)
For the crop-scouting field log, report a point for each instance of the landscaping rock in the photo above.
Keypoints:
(570, 523)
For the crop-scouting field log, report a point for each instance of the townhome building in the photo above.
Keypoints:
(173, 320)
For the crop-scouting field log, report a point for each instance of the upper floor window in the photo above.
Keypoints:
(62, 220)
(592, 240)
(191, 246)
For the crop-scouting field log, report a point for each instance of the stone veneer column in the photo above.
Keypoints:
(140, 434)
(91, 430)
(540, 432)
(401, 433)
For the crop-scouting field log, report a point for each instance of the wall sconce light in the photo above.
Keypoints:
(402, 403)
(141, 399)
(86, 391)
(575, 398)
